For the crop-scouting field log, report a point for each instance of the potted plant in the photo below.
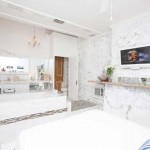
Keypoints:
(109, 69)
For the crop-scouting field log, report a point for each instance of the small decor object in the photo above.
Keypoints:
(143, 80)
(9, 67)
(41, 72)
(103, 77)
(3, 69)
(20, 67)
(45, 77)
(109, 69)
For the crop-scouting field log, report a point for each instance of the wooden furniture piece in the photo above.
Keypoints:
(59, 69)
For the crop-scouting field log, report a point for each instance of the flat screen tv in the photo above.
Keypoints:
(135, 56)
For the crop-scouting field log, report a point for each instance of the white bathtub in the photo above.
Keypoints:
(93, 130)
(16, 105)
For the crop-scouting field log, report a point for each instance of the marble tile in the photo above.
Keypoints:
(94, 54)
(78, 105)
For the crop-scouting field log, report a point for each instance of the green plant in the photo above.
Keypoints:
(109, 69)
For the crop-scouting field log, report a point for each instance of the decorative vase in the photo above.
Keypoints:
(103, 78)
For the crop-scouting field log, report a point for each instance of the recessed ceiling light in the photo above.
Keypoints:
(58, 21)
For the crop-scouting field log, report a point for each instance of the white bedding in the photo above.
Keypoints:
(92, 130)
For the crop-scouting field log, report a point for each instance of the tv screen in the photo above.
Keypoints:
(135, 56)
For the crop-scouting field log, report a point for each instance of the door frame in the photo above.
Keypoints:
(68, 76)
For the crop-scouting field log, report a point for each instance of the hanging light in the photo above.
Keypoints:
(34, 42)
(111, 10)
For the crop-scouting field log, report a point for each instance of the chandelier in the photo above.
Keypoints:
(34, 42)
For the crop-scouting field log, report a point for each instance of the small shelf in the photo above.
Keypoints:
(13, 73)
(17, 82)
(122, 84)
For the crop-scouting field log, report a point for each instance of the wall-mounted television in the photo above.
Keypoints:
(135, 56)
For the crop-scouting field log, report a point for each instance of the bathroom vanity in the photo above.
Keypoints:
(14, 82)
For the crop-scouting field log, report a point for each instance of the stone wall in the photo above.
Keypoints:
(130, 34)
(94, 54)
(130, 103)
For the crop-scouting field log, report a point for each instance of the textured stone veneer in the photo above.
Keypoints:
(94, 54)
(130, 34)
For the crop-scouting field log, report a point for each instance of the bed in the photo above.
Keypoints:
(92, 130)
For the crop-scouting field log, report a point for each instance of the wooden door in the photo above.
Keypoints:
(59, 72)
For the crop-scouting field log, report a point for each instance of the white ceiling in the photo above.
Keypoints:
(79, 15)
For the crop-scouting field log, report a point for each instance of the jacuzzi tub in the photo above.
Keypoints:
(16, 105)
(93, 130)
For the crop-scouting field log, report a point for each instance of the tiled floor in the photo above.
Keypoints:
(78, 105)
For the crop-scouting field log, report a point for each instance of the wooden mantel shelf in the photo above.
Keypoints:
(122, 84)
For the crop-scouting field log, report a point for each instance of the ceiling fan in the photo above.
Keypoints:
(105, 6)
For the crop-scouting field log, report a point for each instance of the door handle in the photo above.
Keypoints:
(76, 82)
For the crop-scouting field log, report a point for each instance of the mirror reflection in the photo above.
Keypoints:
(18, 75)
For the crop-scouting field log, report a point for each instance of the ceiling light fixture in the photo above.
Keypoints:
(111, 10)
(34, 42)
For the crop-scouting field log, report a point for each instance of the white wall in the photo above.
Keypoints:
(67, 46)
(130, 34)
(14, 38)
(66, 72)
(64, 45)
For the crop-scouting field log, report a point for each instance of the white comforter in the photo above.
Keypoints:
(92, 130)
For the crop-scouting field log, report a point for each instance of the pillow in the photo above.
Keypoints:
(145, 146)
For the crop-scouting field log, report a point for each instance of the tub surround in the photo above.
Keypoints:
(127, 100)
(18, 105)
(21, 111)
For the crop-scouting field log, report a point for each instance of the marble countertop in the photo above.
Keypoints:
(121, 84)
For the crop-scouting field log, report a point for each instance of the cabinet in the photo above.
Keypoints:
(14, 82)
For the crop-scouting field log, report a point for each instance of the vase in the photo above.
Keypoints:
(109, 79)
(103, 78)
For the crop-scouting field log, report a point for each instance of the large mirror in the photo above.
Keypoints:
(18, 75)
